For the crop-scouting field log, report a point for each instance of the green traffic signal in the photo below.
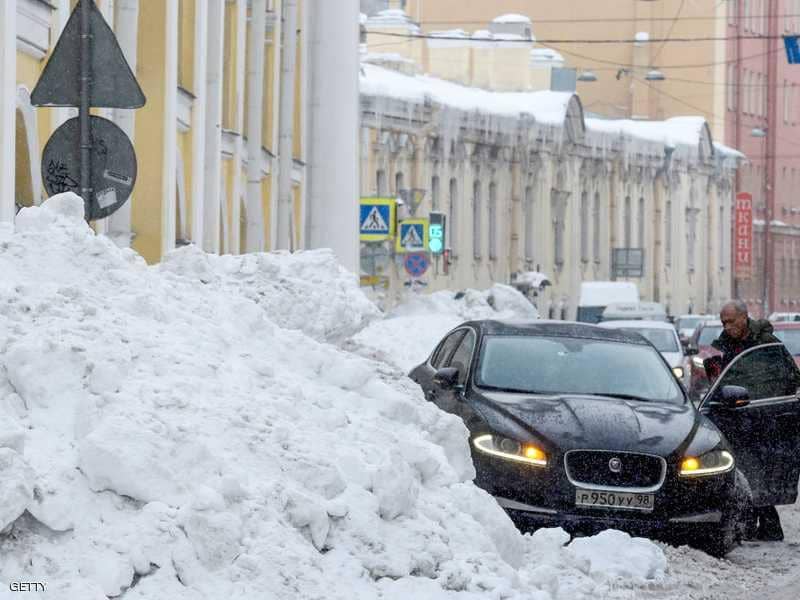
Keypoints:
(435, 239)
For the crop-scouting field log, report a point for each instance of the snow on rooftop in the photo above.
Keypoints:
(685, 131)
(393, 17)
(194, 430)
(512, 18)
(545, 106)
(546, 55)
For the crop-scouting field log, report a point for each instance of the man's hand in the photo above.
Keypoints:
(713, 367)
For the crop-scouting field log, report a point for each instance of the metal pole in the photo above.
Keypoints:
(83, 115)
(771, 146)
(739, 98)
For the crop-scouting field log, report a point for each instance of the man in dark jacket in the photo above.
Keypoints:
(741, 333)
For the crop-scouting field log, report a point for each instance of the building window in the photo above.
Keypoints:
(786, 100)
(585, 227)
(668, 232)
(529, 224)
(691, 238)
(721, 239)
(380, 183)
(733, 6)
(596, 228)
(435, 193)
(640, 223)
(476, 220)
(746, 14)
(558, 208)
(452, 220)
(626, 223)
(492, 221)
(399, 183)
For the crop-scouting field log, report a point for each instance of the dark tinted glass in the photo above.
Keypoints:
(446, 349)
(766, 372)
(463, 355)
(561, 365)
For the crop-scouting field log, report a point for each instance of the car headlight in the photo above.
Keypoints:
(678, 372)
(710, 463)
(509, 449)
(698, 362)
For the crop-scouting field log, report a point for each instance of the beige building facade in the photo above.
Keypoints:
(529, 182)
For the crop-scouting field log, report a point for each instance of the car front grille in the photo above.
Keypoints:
(608, 469)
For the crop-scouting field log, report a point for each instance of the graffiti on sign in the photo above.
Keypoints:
(57, 178)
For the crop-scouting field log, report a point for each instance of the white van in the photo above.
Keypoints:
(634, 311)
(597, 295)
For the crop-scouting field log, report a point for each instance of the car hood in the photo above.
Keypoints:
(569, 422)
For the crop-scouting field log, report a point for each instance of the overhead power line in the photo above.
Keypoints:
(424, 36)
(607, 20)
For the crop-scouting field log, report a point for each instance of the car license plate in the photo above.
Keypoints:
(619, 500)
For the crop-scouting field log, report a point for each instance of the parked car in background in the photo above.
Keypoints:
(576, 426)
(634, 311)
(597, 295)
(665, 339)
(686, 324)
(699, 348)
(789, 334)
(779, 317)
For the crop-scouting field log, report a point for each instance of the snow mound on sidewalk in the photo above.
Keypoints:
(407, 335)
(288, 287)
(173, 441)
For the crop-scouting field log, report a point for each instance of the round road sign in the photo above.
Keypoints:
(416, 263)
(113, 171)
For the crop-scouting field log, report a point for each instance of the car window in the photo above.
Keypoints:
(446, 348)
(463, 355)
(709, 334)
(663, 339)
(766, 372)
(563, 365)
(790, 339)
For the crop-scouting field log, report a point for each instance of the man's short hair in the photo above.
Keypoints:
(739, 306)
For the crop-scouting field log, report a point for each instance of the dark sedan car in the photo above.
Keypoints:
(586, 428)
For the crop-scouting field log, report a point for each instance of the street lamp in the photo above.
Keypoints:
(761, 132)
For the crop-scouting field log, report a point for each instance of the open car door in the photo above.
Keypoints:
(764, 432)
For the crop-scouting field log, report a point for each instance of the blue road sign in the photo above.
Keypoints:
(375, 219)
(416, 263)
(412, 236)
(792, 49)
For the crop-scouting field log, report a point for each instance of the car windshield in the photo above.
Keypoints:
(688, 322)
(563, 365)
(709, 334)
(663, 339)
(790, 339)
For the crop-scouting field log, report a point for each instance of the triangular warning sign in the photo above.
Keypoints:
(375, 221)
(113, 84)
(411, 239)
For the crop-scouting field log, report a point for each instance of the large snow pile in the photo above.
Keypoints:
(162, 437)
(411, 330)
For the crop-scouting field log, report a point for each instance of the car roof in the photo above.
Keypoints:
(703, 317)
(710, 323)
(548, 328)
(639, 324)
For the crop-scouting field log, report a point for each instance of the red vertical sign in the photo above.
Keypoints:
(743, 235)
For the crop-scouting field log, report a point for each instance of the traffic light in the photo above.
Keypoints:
(437, 227)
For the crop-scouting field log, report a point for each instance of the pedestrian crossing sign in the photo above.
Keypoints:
(376, 219)
(412, 236)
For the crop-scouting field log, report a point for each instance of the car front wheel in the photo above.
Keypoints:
(719, 539)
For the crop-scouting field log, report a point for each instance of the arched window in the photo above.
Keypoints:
(640, 222)
(529, 225)
(435, 193)
(585, 226)
(380, 183)
(626, 223)
(596, 228)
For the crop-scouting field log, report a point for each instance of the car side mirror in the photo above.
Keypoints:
(447, 378)
(691, 350)
(734, 396)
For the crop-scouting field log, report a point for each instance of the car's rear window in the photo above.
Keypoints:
(708, 335)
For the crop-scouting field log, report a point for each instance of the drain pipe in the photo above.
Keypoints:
(285, 222)
(255, 120)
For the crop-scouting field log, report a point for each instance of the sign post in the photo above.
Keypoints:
(743, 235)
(88, 154)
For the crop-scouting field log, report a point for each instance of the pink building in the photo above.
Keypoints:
(763, 121)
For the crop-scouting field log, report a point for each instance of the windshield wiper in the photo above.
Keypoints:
(620, 396)
(507, 390)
